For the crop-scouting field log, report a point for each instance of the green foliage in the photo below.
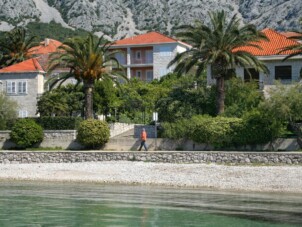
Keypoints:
(241, 97)
(180, 129)
(138, 99)
(53, 30)
(213, 44)
(188, 96)
(218, 131)
(257, 128)
(93, 133)
(26, 133)
(89, 60)
(14, 46)
(105, 98)
(8, 111)
(284, 103)
(58, 123)
(62, 101)
(222, 132)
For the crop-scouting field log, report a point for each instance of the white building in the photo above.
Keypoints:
(147, 56)
(284, 71)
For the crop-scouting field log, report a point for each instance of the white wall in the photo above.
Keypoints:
(267, 79)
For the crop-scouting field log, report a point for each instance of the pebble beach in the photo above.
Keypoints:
(211, 176)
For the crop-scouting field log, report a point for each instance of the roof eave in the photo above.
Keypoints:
(139, 45)
(18, 72)
(277, 57)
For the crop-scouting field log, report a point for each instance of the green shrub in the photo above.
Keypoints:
(177, 130)
(58, 123)
(93, 133)
(217, 131)
(257, 128)
(26, 133)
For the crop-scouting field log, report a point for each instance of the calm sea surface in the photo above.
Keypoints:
(71, 204)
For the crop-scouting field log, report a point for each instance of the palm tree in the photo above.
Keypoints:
(15, 46)
(295, 49)
(88, 60)
(218, 45)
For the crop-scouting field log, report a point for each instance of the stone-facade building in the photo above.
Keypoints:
(24, 81)
(147, 56)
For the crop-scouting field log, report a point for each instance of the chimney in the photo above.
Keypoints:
(46, 42)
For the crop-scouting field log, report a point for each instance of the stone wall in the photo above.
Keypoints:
(61, 139)
(165, 157)
(119, 128)
(66, 139)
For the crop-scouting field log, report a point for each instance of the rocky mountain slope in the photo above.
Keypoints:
(119, 18)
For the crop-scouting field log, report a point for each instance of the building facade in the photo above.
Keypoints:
(269, 53)
(24, 82)
(147, 56)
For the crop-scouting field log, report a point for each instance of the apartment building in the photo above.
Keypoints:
(147, 56)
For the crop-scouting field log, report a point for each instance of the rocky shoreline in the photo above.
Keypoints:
(287, 179)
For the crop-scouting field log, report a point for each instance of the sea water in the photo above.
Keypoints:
(87, 204)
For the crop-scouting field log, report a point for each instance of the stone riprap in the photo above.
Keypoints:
(273, 158)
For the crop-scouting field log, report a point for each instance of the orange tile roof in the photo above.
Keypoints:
(30, 65)
(148, 38)
(291, 34)
(45, 47)
(276, 42)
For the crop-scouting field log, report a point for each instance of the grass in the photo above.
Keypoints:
(44, 149)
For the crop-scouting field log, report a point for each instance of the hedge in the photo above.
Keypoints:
(58, 123)
(254, 128)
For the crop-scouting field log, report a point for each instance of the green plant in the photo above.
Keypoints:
(26, 133)
(58, 123)
(8, 111)
(257, 127)
(93, 133)
(217, 131)
(177, 130)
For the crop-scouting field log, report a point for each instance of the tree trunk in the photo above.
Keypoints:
(88, 105)
(220, 95)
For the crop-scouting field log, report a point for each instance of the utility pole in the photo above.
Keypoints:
(155, 119)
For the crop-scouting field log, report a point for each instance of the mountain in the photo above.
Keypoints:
(120, 18)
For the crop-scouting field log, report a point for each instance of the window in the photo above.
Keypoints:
(138, 55)
(11, 87)
(16, 87)
(283, 72)
(120, 57)
(251, 74)
(22, 87)
(23, 113)
(230, 73)
(165, 51)
(138, 74)
(149, 75)
(149, 56)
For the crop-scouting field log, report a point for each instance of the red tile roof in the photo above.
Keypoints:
(30, 65)
(276, 42)
(45, 47)
(291, 34)
(148, 38)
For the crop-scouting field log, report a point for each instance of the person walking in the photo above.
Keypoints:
(143, 140)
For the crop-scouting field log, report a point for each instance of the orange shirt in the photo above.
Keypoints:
(144, 136)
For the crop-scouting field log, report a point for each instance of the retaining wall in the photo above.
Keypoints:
(166, 157)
